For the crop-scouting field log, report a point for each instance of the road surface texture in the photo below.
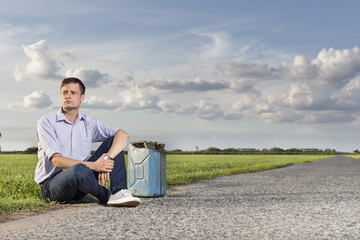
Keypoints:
(319, 200)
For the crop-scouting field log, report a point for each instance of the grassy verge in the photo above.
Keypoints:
(185, 169)
(18, 190)
(353, 156)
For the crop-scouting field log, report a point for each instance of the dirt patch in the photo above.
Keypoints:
(11, 216)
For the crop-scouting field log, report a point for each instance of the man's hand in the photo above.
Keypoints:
(103, 166)
(104, 178)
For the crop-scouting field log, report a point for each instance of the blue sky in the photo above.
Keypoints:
(243, 74)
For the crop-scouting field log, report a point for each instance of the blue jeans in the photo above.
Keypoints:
(78, 180)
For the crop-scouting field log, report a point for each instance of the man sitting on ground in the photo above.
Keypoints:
(65, 170)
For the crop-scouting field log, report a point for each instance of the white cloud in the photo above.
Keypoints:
(311, 89)
(242, 85)
(201, 110)
(282, 116)
(172, 107)
(302, 68)
(321, 90)
(331, 67)
(305, 98)
(169, 106)
(46, 64)
(218, 46)
(141, 99)
(36, 100)
(98, 103)
(138, 99)
(127, 81)
(42, 64)
(245, 102)
(91, 78)
(299, 96)
(63, 56)
(248, 105)
(254, 71)
(350, 94)
(338, 64)
(208, 111)
(196, 84)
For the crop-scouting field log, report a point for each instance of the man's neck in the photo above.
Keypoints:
(71, 115)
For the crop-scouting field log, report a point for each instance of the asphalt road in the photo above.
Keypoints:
(319, 200)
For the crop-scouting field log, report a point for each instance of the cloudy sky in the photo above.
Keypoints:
(243, 74)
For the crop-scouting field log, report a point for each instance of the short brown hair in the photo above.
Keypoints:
(74, 80)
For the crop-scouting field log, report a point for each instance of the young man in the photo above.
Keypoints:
(65, 170)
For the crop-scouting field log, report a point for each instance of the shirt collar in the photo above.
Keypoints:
(60, 116)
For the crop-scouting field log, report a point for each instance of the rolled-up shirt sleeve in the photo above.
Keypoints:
(101, 131)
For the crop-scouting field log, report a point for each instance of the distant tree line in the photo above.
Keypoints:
(31, 150)
(253, 151)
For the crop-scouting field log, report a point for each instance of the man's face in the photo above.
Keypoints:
(71, 96)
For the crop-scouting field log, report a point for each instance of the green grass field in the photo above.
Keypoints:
(18, 190)
(355, 156)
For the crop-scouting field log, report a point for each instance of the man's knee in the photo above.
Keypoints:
(79, 170)
(120, 157)
(108, 142)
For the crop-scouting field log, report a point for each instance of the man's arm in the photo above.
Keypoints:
(100, 165)
(119, 143)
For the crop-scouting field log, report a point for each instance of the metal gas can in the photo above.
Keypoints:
(146, 169)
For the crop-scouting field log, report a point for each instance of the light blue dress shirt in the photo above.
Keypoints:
(56, 134)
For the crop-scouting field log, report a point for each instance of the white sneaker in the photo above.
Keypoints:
(123, 198)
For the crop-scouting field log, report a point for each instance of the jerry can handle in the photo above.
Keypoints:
(148, 144)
